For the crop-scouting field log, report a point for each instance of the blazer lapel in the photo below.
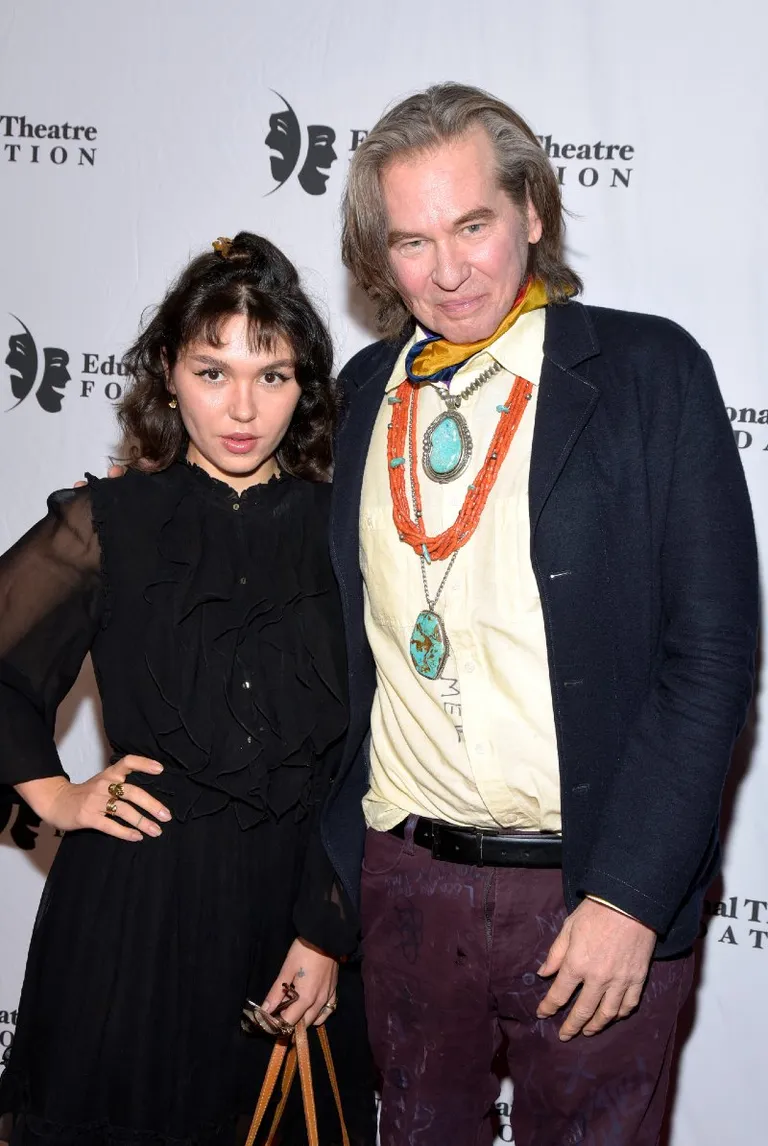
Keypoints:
(566, 398)
(365, 395)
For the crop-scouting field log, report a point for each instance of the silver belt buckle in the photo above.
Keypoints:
(479, 836)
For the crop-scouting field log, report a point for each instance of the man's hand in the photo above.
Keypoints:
(113, 472)
(605, 953)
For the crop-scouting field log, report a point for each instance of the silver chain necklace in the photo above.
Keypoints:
(454, 401)
(429, 646)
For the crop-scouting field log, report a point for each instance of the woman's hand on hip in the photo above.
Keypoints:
(127, 811)
(314, 975)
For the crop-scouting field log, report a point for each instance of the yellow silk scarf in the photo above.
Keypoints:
(440, 354)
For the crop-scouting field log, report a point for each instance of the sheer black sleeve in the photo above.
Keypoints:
(51, 605)
(322, 912)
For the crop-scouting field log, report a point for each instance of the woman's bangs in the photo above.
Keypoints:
(264, 329)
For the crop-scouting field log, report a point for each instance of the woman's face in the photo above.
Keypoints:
(236, 405)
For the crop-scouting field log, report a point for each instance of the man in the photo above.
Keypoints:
(544, 544)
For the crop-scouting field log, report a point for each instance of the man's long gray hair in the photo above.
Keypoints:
(422, 123)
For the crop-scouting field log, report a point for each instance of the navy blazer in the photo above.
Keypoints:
(643, 548)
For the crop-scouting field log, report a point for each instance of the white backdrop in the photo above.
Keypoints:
(131, 135)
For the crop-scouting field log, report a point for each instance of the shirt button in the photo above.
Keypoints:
(469, 666)
(243, 580)
(480, 749)
(246, 684)
(235, 504)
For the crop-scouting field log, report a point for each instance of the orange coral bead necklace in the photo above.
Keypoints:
(429, 643)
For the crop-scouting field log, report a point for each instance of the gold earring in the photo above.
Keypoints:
(173, 403)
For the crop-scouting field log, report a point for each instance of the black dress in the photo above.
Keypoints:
(216, 637)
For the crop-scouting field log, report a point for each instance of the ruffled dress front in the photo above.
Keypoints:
(216, 636)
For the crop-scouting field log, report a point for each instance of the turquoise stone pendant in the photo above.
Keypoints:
(447, 447)
(429, 645)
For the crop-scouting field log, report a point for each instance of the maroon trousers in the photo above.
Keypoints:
(450, 958)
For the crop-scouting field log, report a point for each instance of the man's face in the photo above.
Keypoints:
(458, 246)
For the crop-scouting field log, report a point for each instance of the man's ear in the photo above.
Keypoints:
(535, 228)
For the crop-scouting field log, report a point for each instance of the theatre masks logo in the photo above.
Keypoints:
(46, 375)
(289, 145)
(48, 383)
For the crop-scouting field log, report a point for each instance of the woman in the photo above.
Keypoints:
(203, 591)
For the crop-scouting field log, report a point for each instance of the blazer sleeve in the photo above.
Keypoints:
(322, 913)
(671, 775)
(51, 605)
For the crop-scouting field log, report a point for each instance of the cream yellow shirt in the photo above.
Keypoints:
(477, 746)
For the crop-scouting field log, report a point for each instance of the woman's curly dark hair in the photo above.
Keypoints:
(255, 279)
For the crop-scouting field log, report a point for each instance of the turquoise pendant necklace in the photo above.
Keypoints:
(429, 647)
(429, 641)
(447, 443)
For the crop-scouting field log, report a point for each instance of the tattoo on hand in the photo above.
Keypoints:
(300, 973)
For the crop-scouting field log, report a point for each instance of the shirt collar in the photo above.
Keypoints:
(398, 371)
(520, 351)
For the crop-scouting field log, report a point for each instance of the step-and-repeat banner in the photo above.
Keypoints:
(132, 135)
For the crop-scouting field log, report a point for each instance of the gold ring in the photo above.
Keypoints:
(331, 1006)
(116, 790)
(111, 807)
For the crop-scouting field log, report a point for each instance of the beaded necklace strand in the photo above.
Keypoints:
(429, 645)
(405, 404)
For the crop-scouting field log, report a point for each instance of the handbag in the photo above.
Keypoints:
(286, 1056)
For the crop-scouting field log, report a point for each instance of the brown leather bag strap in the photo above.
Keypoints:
(305, 1077)
(324, 1043)
(281, 1057)
(289, 1074)
(267, 1087)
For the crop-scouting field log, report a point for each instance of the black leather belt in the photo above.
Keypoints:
(475, 846)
